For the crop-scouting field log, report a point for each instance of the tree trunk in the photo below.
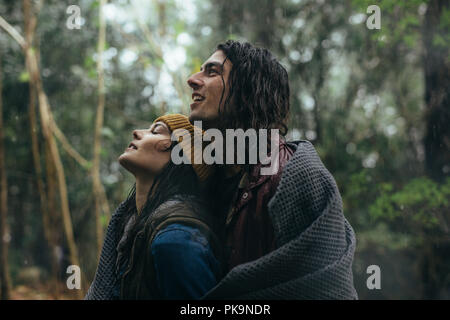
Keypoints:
(53, 221)
(436, 64)
(101, 204)
(45, 115)
(437, 93)
(30, 27)
(264, 19)
(5, 283)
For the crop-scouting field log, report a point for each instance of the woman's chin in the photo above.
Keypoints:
(121, 158)
(124, 161)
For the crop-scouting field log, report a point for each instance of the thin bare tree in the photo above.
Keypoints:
(101, 203)
(44, 197)
(46, 123)
(45, 115)
(5, 282)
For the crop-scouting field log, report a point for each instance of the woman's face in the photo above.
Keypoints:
(149, 152)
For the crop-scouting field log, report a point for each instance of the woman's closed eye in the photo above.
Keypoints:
(158, 129)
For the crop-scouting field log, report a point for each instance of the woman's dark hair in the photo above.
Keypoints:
(258, 84)
(173, 181)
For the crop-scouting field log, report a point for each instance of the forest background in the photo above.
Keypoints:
(374, 102)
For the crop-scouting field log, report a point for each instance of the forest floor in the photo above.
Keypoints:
(23, 292)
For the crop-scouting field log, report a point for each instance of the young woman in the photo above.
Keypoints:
(162, 241)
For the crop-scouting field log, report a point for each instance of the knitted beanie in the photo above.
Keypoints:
(180, 126)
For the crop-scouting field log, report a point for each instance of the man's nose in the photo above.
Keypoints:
(194, 81)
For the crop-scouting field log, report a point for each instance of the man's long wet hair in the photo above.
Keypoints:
(258, 95)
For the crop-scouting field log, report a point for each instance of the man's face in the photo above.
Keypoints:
(207, 89)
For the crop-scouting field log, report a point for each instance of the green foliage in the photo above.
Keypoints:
(107, 133)
(381, 236)
(421, 205)
(400, 21)
(24, 76)
(442, 39)
(357, 94)
(104, 220)
(360, 187)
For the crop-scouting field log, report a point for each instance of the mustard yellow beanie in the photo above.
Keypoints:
(179, 121)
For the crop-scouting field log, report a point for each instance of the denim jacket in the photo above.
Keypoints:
(185, 265)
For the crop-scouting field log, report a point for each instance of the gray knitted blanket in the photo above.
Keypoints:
(105, 279)
(316, 244)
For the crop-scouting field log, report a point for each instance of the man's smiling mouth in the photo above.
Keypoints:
(197, 97)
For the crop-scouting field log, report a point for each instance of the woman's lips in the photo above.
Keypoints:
(131, 146)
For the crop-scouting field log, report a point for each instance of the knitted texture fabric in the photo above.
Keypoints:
(316, 244)
(105, 278)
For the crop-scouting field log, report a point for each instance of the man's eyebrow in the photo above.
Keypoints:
(211, 64)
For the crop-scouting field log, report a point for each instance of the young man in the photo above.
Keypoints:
(241, 87)
(286, 235)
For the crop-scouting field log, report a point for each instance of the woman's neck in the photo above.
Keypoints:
(143, 186)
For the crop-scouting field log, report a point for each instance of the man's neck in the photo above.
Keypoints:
(232, 170)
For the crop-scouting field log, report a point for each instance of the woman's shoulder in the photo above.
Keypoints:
(184, 218)
(181, 206)
(180, 234)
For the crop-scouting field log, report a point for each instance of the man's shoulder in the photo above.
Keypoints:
(306, 174)
(270, 181)
(286, 152)
(299, 154)
(305, 157)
